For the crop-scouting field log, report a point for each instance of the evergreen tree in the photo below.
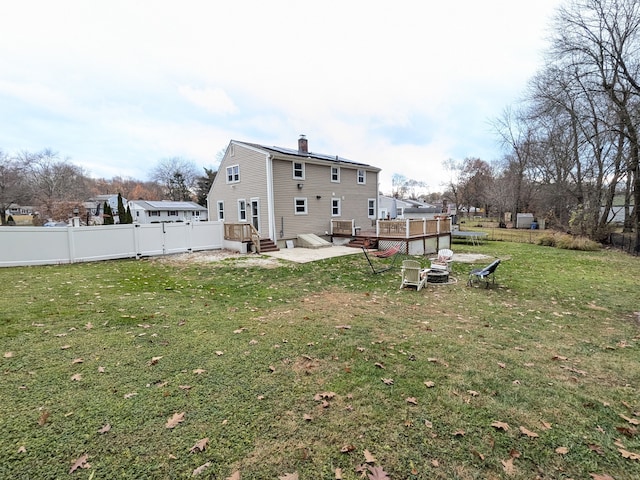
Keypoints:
(129, 216)
(107, 214)
(122, 212)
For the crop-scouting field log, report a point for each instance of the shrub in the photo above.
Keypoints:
(568, 242)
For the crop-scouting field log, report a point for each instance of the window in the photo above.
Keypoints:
(172, 213)
(242, 210)
(298, 170)
(362, 177)
(153, 213)
(233, 174)
(335, 174)
(220, 210)
(335, 207)
(371, 208)
(300, 206)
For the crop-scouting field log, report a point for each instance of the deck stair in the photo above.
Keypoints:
(267, 245)
(359, 242)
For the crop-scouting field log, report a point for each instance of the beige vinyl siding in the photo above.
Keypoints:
(317, 183)
(252, 185)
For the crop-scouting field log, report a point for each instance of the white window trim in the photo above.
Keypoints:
(241, 202)
(334, 199)
(364, 176)
(220, 210)
(293, 170)
(229, 172)
(331, 174)
(295, 206)
(371, 205)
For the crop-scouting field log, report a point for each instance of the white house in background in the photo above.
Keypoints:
(389, 205)
(148, 211)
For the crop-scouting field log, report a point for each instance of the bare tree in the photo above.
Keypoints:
(52, 182)
(12, 188)
(177, 176)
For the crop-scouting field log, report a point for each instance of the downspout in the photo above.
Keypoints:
(271, 217)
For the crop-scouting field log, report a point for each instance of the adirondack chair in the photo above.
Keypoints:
(483, 274)
(443, 261)
(412, 275)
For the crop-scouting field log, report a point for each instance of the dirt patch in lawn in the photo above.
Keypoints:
(228, 256)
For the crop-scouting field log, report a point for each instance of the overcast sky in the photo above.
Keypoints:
(115, 86)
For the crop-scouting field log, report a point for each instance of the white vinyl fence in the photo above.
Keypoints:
(54, 245)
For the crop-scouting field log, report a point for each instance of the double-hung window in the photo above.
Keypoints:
(371, 208)
(242, 210)
(298, 170)
(335, 207)
(233, 174)
(362, 176)
(220, 210)
(335, 174)
(300, 206)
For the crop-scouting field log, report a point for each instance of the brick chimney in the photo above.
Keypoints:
(303, 146)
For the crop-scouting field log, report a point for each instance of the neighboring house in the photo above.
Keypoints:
(15, 209)
(284, 192)
(95, 205)
(405, 208)
(144, 211)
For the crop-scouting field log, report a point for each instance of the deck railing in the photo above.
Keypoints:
(242, 232)
(397, 228)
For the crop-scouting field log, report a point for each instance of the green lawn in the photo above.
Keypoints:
(311, 368)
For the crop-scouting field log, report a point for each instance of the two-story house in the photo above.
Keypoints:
(284, 192)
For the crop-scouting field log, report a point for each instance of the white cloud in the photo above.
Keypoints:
(214, 100)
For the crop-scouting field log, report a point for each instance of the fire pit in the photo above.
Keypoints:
(437, 276)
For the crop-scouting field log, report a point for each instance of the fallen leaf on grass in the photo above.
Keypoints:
(628, 431)
(22, 449)
(379, 365)
(234, 476)
(368, 457)
(347, 449)
(377, 473)
(632, 421)
(473, 393)
(545, 425)
(459, 433)
(338, 474)
(219, 352)
(435, 463)
(307, 417)
(628, 454)
(477, 454)
(500, 426)
(343, 327)
(77, 377)
(130, 395)
(101, 370)
(184, 387)
(412, 400)
(199, 371)
(528, 433)
(502, 365)
(65, 347)
(80, 463)
(562, 450)
(44, 416)
(509, 467)
(200, 445)
(200, 469)
(77, 360)
(596, 448)
(604, 476)
(387, 381)
(8, 354)
(429, 384)
(105, 429)
(289, 476)
(154, 361)
(175, 420)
